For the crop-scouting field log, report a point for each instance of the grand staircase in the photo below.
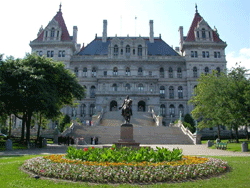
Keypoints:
(145, 130)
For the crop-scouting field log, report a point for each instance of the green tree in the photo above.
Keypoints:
(64, 120)
(189, 122)
(37, 84)
(222, 100)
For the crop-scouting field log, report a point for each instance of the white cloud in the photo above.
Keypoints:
(242, 57)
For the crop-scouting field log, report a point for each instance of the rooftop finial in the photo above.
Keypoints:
(196, 10)
(60, 7)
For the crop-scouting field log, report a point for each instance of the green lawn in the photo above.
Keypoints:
(236, 147)
(11, 176)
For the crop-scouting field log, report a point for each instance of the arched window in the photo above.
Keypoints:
(163, 110)
(128, 71)
(171, 92)
(195, 72)
(171, 110)
(115, 50)
(181, 110)
(180, 92)
(203, 33)
(206, 70)
(140, 87)
(94, 72)
(76, 71)
(127, 49)
(92, 92)
(52, 33)
(115, 71)
(85, 72)
(91, 109)
(179, 73)
(82, 110)
(218, 71)
(127, 87)
(85, 90)
(162, 92)
(161, 72)
(140, 50)
(139, 71)
(170, 72)
(114, 87)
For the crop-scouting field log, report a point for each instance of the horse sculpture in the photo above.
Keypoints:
(127, 109)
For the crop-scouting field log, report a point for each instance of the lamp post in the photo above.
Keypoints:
(171, 118)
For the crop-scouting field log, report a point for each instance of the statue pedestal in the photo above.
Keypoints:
(126, 137)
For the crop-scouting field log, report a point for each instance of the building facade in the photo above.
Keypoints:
(147, 69)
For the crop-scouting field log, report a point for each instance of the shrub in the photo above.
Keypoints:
(124, 154)
(187, 125)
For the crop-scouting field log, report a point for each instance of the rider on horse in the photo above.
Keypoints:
(126, 107)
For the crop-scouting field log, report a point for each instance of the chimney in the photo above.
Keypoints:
(75, 34)
(104, 33)
(151, 32)
(181, 35)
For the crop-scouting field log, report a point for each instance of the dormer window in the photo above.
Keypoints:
(139, 50)
(198, 34)
(209, 34)
(203, 33)
(46, 34)
(127, 49)
(57, 34)
(52, 34)
(115, 50)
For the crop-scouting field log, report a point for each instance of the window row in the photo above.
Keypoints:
(128, 72)
(203, 33)
(127, 50)
(61, 53)
(83, 110)
(195, 71)
(53, 33)
(171, 92)
(171, 110)
(205, 54)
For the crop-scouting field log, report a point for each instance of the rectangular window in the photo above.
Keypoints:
(133, 51)
(60, 54)
(195, 54)
(63, 53)
(41, 53)
(203, 54)
(52, 53)
(105, 73)
(150, 73)
(192, 53)
(57, 33)
(207, 54)
(215, 54)
(218, 53)
(48, 53)
(121, 51)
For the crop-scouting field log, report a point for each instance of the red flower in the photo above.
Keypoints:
(181, 172)
(42, 170)
(85, 149)
(112, 148)
(93, 147)
(224, 167)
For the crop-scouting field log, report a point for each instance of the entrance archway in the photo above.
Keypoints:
(113, 106)
(141, 106)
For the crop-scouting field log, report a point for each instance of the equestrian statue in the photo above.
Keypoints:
(126, 109)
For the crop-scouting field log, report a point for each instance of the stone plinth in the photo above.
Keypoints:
(127, 137)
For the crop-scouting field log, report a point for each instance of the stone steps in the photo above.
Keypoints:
(142, 134)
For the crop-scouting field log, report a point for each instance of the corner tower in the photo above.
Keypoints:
(54, 40)
(203, 50)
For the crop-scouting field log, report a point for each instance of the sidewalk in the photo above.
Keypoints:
(187, 150)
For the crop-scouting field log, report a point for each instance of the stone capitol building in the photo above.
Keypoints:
(154, 75)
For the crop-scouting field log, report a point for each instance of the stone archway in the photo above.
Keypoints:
(113, 106)
(141, 106)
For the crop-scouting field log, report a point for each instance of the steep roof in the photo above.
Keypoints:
(191, 37)
(97, 47)
(65, 34)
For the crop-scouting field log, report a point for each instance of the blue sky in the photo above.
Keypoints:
(21, 20)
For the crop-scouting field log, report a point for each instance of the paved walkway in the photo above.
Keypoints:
(187, 150)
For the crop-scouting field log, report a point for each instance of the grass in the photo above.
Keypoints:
(11, 176)
(236, 147)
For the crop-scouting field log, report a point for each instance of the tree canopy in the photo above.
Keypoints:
(37, 84)
(222, 100)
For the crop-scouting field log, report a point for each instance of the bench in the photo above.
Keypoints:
(221, 146)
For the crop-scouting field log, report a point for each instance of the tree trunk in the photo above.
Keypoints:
(218, 131)
(247, 132)
(237, 134)
(10, 127)
(28, 127)
(39, 126)
(24, 119)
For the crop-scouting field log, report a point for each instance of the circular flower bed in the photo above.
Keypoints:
(189, 167)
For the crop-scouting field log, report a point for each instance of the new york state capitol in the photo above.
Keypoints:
(152, 73)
